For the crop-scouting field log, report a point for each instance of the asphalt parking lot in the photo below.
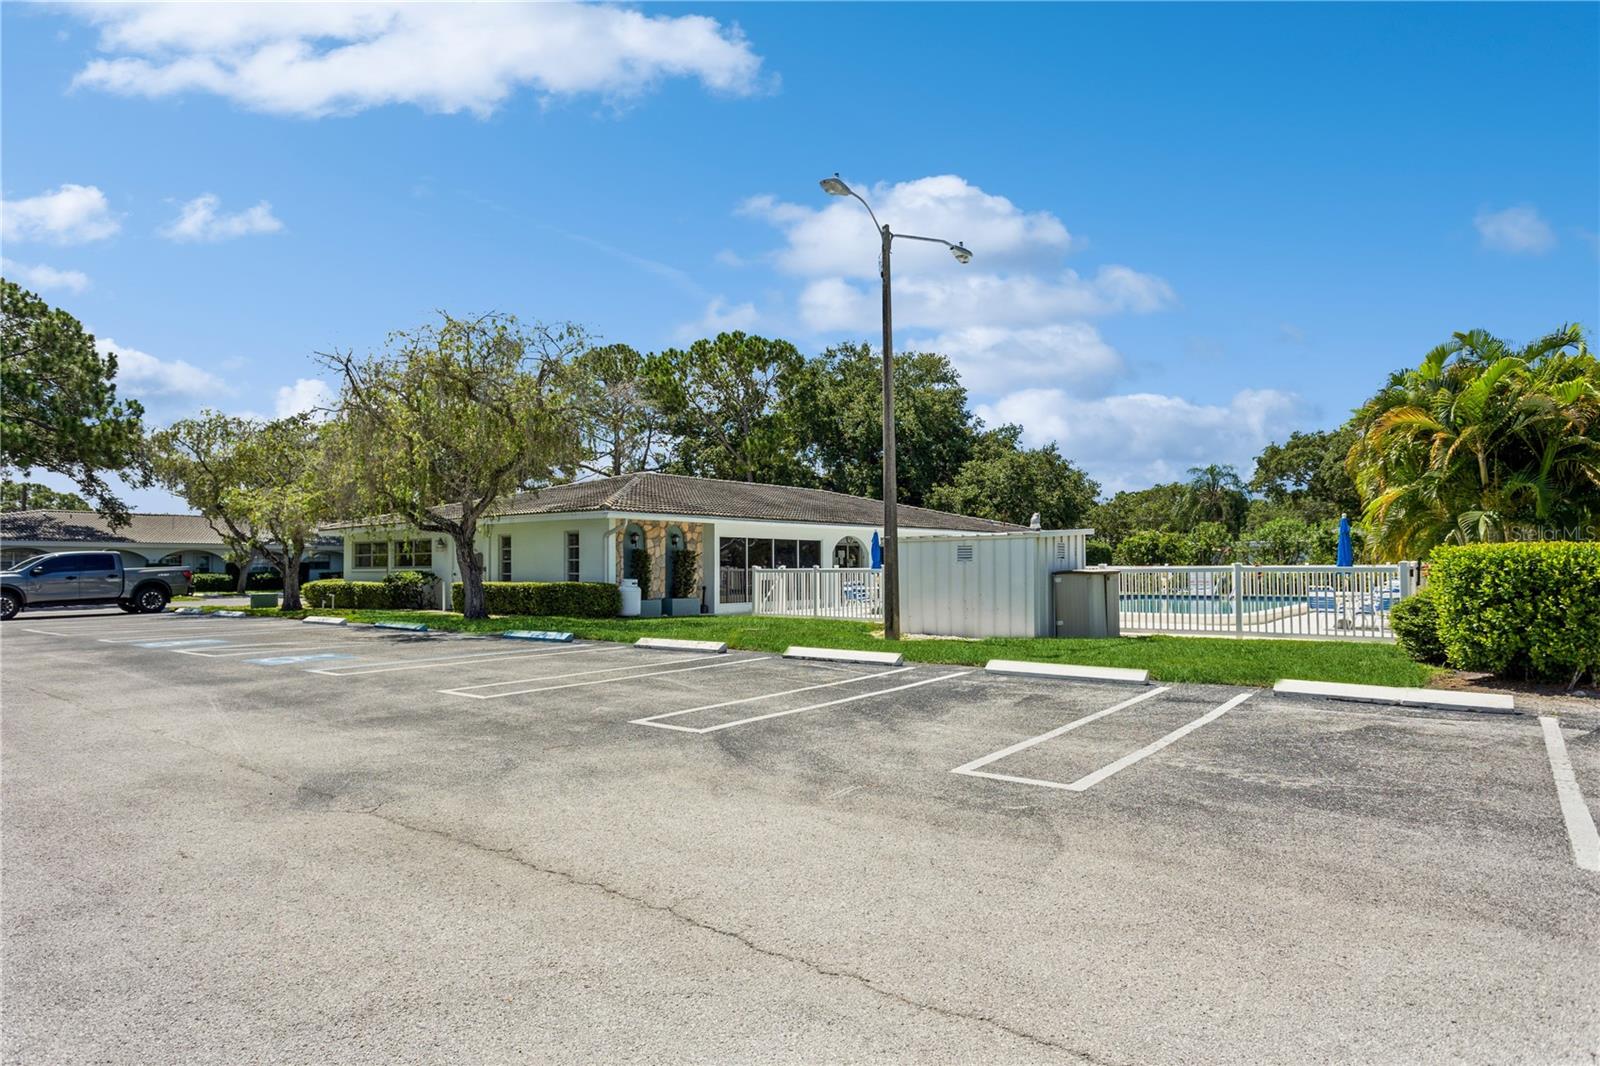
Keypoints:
(255, 840)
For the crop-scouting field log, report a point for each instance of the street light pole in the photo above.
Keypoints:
(891, 482)
(835, 186)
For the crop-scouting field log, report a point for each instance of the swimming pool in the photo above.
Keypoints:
(1194, 603)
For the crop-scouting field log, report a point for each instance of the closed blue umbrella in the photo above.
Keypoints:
(877, 552)
(1347, 555)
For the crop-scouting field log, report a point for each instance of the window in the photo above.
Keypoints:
(175, 559)
(761, 553)
(75, 563)
(413, 553)
(505, 558)
(810, 553)
(574, 570)
(372, 555)
(848, 553)
(786, 555)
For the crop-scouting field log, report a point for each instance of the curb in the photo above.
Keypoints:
(1494, 703)
(325, 620)
(714, 647)
(537, 634)
(1069, 671)
(409, 627)
(843, 655)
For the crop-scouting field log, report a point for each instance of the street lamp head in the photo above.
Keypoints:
(834, 186)
(961, 253)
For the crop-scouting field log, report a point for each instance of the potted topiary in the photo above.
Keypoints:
(685, 589)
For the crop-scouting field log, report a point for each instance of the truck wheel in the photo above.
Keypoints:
(10, 605)
(150, 600)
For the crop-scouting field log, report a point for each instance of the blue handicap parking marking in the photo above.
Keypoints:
(286, 660)
(179, 643)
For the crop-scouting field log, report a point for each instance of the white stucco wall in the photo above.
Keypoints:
(538, 546)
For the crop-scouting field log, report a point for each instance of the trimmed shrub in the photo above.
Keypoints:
(269, 580)
(347, 595)
(1415, 621)
(575, 599)
(639, 559)
(685, 574)
(214, 583)
(410, 590)
(1097, 553)
(1525, 610)
(1153, 548)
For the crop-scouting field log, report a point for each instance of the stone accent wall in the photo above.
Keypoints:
(655, 542)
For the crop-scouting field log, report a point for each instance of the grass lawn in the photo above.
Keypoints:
(1194, 659)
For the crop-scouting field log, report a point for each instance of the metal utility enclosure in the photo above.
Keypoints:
(985, 584)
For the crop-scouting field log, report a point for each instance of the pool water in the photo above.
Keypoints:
(1156, 603)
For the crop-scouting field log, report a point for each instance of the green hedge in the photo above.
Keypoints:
(347, 595)
(1415, 621)
(214, 583)
(1526, 610)
(575, 599)
(1097, 552)
(403, 590)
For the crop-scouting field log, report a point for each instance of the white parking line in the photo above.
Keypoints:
(654, 720)
(602, 681)
(1090, 780)
(282, 645)
(208, 631)
(1580, 823)
(467, 690)
(386, 666)
(774, 695)
(972, 769)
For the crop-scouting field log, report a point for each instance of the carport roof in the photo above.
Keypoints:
(649, 493)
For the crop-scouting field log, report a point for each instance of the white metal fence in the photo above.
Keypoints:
(832, 592)
(1282, 601)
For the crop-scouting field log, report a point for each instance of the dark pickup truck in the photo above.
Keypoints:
(63, 578)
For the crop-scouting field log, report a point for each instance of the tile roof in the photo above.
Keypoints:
(674, 494)
(88, 526)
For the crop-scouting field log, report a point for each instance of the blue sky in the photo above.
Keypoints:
(1194, 227)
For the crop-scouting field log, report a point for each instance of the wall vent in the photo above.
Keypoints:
(963, 553)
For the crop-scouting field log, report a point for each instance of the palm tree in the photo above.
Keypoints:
(1480, 441)
(1215, 493)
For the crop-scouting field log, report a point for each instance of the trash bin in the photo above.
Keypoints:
(1084, 602)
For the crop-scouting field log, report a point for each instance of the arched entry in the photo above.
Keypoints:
(632, 541)
(675, 544)
(849, 552)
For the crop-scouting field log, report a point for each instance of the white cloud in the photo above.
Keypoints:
(42, 278)
(996, 359)
(143, 376)
(1139, 439)
(837, 239)
(1014, 313)
(199, 220)
(1519, 230)
(720, 317)
(948, 300)
(71, 214)
(306, 394)
(317, 59)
